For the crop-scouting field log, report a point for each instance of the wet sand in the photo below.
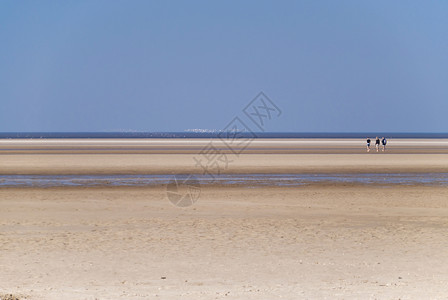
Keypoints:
(59, 164)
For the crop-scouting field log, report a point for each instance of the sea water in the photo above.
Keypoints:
(211, 133)
(250, 180)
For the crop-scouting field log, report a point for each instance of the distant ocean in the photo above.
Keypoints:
(215, 134)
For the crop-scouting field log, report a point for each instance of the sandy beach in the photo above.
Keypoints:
(333, 242)
(166, 156)
(317, 241)
(224, 145)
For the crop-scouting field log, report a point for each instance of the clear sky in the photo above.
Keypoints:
(176, 65)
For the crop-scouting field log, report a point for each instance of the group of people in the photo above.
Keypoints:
(377, 144)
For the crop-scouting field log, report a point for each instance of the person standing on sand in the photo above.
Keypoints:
(368, 144)
(384, 142)
(377, 144)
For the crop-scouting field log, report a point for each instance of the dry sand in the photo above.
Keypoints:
(324, 241)
(332, 242)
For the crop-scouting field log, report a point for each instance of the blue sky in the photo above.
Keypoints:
(176, 65)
